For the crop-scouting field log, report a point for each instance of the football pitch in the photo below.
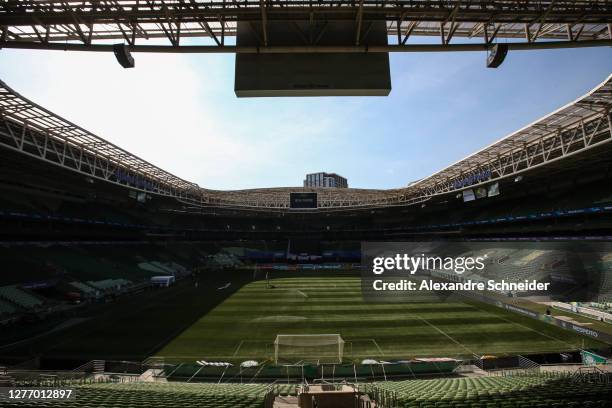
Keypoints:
(244, 326)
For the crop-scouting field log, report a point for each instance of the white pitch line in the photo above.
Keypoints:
(238, 348)
(301, 293)
(379, 349)
(442, 332)
(523, 326)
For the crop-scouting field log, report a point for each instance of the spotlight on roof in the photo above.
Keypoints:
(459, 195)
(518, 178)
(423, 205)
(123, 55)
(497, 55)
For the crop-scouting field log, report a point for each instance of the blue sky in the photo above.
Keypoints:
(180, 113)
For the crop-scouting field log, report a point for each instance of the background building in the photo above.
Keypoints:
(323, 179)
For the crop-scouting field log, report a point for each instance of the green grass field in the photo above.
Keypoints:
(245, 325)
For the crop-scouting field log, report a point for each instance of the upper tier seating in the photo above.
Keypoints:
(82, 287)
(19, 297)
(6, 308)
(109, 284)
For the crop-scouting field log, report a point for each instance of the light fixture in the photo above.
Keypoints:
(497, 55)
(123, 55)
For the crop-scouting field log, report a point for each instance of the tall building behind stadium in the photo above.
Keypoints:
(323, 179)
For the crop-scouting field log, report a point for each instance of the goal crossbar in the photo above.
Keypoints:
(318, 346)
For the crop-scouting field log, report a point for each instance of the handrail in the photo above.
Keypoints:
(83, 367)
(194, 374)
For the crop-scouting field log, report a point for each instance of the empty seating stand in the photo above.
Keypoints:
(109, 284)
(160, 395)
(505, 392)
(524, 391)
(6, 308)
(80, 286)
(19, 297)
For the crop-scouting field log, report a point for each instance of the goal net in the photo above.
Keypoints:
(326, 348)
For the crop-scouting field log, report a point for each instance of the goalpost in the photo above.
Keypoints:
(327, 348)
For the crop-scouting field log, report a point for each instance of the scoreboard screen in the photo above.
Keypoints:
(302, 200)
(308, 74)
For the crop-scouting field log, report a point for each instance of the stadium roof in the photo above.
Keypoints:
(94, 25)
(581, 125)
(582, 121)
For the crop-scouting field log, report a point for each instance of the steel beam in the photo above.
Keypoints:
(314, 49)
(95, 22)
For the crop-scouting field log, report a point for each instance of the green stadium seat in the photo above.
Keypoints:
(499, 392)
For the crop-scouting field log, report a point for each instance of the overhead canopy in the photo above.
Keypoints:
(90, 24)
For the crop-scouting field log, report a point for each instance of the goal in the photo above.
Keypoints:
(326, 348)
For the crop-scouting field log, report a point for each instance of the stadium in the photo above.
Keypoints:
(125, 285)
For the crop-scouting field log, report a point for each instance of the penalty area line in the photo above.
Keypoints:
(238, 348)
(371, 340)
(378, 347)
(446, 335)
(301, 293)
